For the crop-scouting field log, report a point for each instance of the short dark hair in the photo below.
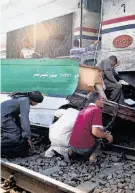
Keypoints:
(35, 96)
(93, 97)
(114, 58)
(76, 43)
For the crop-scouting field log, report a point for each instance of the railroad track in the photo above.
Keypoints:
(41, 182)
(122, 151)
(34, 182)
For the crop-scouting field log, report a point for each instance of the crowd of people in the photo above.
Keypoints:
(75, 133)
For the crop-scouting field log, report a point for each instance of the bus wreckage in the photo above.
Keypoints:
(62, 81)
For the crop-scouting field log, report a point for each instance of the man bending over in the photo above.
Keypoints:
(87, 127)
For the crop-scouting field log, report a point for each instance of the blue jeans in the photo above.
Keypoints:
(84, 152)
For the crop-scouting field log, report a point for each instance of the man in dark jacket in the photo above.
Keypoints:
(110, 79)
(15, 124)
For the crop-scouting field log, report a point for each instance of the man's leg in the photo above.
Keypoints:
(13, 151)
(100, 89)
(81, 153)
(22, 150)
(96, 151)
(10, 133)
(116, 93)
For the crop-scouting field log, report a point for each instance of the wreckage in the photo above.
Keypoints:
(62, 81)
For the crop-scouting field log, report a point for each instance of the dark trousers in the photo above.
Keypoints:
(115, 93)
(16, 150)
(11, 132)
(84, 154)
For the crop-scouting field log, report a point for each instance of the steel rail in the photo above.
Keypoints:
(115, 153)
(124, 147)
(116, 149)
(35, 182)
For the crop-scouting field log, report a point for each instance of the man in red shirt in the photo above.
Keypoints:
(88, 126)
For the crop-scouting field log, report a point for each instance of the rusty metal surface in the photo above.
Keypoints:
(110, 107)
(34, 182)
(124, 112)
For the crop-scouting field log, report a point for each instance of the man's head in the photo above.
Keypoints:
(26, 43)
(35, 97)
(76, 43)
(94, 97)
(114, 61)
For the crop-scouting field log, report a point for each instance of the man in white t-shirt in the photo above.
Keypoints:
(60, 131)
(28, 50)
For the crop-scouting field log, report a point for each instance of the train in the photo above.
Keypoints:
(115, 29)
(118, 36)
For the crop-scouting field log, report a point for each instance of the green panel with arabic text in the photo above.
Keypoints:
(53, 77)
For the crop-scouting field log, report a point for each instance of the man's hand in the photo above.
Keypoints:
(101, 134)
(30, 142)
(96, 42)
(109, 137)
(118, 64)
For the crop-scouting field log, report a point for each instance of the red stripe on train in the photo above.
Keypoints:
(86, 29)
(117, 20)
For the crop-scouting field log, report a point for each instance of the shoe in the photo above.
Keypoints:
(71, 155)
(93, 159)
(56, 154)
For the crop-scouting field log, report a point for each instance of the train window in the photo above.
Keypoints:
(94, 6)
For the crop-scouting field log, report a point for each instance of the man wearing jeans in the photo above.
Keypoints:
(87, 127)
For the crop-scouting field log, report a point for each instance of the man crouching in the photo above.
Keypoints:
(87, 127)
(60, 132)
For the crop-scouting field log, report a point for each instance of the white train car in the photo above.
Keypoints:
(118, 35)
(18, 14)
(90, 22)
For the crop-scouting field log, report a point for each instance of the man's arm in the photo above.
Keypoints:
(116, 75)
(97, 126)
(25, 123)
(21, 55)
(101, 134)
(107, 70)
(92, 47)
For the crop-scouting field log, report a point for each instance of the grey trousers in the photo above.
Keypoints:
(116, 94)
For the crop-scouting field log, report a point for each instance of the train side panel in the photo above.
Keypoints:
(90, 26)
(118, 32)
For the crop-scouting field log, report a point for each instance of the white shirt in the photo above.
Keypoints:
(27, 52)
